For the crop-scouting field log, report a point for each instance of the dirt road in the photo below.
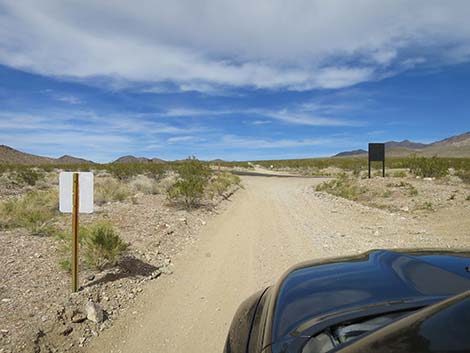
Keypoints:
(270, 225)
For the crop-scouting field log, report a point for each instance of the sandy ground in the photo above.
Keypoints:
(267, 227)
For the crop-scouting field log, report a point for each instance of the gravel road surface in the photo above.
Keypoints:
(270, 225)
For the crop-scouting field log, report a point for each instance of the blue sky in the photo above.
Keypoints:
(234, 80)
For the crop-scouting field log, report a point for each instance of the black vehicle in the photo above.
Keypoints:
(381, 301)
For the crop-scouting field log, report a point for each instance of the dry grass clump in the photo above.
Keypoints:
(410, 189)
(145, 185)
(464, 175)
(110, 189)
(166, 183)
(100, 245)
(399, 174)
(35, 211)
(343, 186)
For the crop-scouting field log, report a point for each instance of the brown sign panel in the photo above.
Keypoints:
(376, 152)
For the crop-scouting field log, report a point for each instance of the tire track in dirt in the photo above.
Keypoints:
(269, 226)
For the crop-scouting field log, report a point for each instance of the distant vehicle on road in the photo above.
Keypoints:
(381, 301)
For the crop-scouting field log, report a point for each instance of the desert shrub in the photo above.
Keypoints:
(378, 173)
(427, 205)
(399, 174)
(401, 184)
(467, 198)
(412, 191)
(220, 183)
(27, 176)
(345, 163)
(429, 167)
(343, 186)
(3, 168)
(464, 174)
(191, 182)
(155, 170)
(34, 211)
(357, 169)
(102, 246)
(99, 243)
(5, 180)
(166, 183)
(145, 185)
(109, 190)
(125, 171)
(65, 264)
(387, 193)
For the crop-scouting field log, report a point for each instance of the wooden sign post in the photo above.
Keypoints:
(75, 206)
(75, 197)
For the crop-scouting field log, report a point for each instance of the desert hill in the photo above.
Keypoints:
(454, 146)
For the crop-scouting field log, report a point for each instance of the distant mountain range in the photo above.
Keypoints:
(13, 156)
(132, 159)
(454, 146)
(10, 155)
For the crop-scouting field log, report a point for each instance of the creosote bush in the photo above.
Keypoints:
(35, 211)
(343, 186)
(429, 167)
(125, 171)
(221, 182)
(28, 176)
(192, 179)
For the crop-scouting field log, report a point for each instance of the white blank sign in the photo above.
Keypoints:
(85, 194)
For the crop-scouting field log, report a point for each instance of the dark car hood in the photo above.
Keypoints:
(311, 291)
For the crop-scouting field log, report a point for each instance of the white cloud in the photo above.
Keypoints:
(67, 98)
(100, 137)
(303, 118)
(91, 122)
(384, 56)
(310, 114)
(258, 122)
(180, 139)
(254, 143)
(206, 45)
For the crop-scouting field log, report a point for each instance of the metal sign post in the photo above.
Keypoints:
(75, 196)
(377, 154)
